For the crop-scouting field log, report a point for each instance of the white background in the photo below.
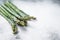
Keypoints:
(46, 27)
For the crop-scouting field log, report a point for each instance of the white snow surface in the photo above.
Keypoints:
(46, 27)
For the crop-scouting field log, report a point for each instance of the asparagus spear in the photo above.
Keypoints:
(12, 12)
(21, 23)
(7, 5)
(12, 23)
(17, 16)
(20, 12)
(11, 6)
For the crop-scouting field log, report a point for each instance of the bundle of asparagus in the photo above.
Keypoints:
(14, 16)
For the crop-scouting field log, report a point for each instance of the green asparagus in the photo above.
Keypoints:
(12, 23)
(19, 12)
(21, 23)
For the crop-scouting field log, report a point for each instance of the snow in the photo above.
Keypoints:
(46, 27)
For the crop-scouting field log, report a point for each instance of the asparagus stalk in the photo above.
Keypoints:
(12, 23)
(21, 23)
(23, 13)
(13, 10)
(19, 12)
(14, 13)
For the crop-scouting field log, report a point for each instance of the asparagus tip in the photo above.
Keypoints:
(15, 33)
(34, 18)
(21, 23)
(15, 29)
(29, 18)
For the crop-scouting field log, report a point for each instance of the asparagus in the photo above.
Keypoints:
(19, 12)
(16, 15)
(21, 23)
(12, 23)
(13, 13)
(13, 10)
(10, 5)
